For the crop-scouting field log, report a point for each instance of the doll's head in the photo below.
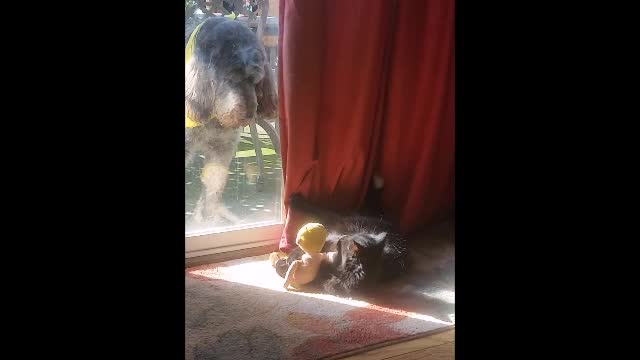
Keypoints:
(311, 237)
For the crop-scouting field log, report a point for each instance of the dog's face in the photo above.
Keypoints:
(228, 76)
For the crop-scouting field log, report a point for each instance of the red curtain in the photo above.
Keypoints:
(366, 86)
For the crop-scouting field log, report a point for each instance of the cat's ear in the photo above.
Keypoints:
(380, 237)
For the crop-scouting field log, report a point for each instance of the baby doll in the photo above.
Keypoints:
(311, 238)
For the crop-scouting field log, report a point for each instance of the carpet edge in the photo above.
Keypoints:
(388, 343)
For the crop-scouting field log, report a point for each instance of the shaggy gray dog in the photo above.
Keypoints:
(228, 84)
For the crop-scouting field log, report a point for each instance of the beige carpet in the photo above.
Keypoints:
(239, 310)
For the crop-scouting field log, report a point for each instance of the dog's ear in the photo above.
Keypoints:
(199, 76)
(198, 89)
(267, 95)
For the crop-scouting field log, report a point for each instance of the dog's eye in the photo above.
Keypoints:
(236, 76)
(255, 78)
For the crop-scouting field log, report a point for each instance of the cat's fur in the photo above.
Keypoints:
(369, 252)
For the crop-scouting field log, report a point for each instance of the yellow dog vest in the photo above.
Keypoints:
(188, 52)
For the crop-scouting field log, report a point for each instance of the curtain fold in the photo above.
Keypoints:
(364, 87)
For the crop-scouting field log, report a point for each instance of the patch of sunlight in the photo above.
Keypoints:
(257, 271)
(252, 153)
(444, 295)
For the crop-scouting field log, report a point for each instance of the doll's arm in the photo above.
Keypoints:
(288, 278)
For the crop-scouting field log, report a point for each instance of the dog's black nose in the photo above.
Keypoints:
(252, 57)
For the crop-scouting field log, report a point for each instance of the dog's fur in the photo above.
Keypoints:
(369, 252)
(228, 83)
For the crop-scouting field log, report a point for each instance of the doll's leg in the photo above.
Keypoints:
(292, 270)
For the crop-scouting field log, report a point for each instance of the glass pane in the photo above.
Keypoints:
(226, 189)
